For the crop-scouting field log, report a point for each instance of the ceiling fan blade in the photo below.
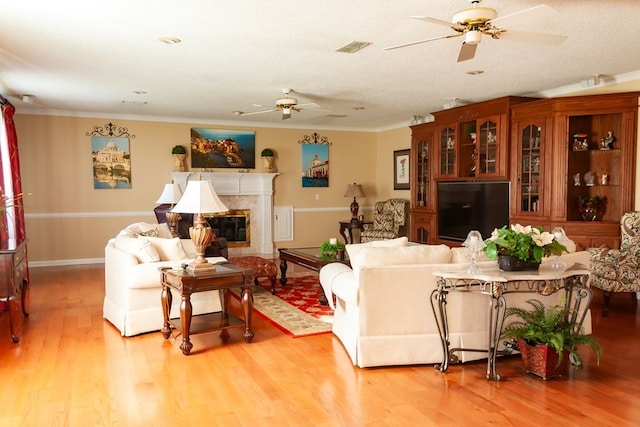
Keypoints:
(440, 22)
(258, 112)
(308, 104)
(535, 13)
(467, 51)
(531, 37)
(423, 41)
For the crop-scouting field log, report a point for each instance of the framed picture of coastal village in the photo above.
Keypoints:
(217, 148)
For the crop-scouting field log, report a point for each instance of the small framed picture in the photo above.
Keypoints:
(401, 169)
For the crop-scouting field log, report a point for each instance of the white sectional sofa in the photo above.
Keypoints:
(132, 280)
(383, 314)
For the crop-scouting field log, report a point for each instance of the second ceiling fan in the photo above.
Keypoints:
(286, 105)
(477, 21)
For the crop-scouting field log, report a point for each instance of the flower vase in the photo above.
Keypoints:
(589, 212)
(512, 263)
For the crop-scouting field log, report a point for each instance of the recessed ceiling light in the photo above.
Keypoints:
(475, 72)
(140, 92)
(170, 40)
(358, 108)
(353, 47)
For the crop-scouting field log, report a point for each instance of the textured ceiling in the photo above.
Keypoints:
(79, 57)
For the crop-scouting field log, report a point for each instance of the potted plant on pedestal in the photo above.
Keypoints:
(267, 159)
(547, 339)
(179, 155)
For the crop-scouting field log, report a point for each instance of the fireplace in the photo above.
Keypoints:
(234, 226)
(252, 192)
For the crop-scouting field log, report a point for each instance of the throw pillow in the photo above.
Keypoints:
(168, 249)
(141, 249)
(145, 229)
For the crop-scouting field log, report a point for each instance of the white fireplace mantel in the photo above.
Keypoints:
(259, 185)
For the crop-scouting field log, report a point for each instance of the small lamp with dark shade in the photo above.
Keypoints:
(170, 196)
(354, 190)
(200, 198)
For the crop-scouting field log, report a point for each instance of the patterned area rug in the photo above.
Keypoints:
(295, 308)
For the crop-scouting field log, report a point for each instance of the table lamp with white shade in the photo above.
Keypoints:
(170, 196)
(200, 198)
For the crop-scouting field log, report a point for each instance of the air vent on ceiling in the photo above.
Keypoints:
(337, 116)
(353, 47)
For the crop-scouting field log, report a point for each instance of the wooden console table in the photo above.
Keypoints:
(225, 276)
(14, 288)
(495, 283)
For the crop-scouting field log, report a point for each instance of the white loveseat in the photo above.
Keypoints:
(383, 314)
(132, 280)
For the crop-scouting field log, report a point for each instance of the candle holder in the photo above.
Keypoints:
(474, 244)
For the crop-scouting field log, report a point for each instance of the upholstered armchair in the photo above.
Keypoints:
(618, 270)
(390, 220)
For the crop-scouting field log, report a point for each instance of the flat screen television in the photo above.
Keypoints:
(464, 206)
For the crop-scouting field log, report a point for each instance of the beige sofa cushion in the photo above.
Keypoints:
(400, 255)
(354, 249)
(168, 249)
(143, 250)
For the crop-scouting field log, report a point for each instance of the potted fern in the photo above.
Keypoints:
(547, 338)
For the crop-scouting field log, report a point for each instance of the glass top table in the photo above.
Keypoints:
(310, 258)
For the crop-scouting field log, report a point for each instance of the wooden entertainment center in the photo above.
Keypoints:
(552, 151)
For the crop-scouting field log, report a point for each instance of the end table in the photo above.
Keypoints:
(225, 276)
(351, 225)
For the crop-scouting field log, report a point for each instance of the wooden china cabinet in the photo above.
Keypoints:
(463, 143)
(558, 157)
(422, 184)
(553, 151)
(473, 140)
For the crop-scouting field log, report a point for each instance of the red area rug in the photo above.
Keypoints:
(294, 309)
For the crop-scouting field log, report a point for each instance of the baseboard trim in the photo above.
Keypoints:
(63, 262)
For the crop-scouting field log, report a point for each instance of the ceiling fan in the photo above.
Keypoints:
(286, 105)
(473, 22)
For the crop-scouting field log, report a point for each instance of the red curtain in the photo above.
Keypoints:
(8, 111)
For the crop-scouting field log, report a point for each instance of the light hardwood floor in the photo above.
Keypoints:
(72, 368)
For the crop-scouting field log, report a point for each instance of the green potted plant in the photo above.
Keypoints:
(521, 247)
(179, 154)
(332, 249)
(267, 159)
(547, 338)
(470, 130)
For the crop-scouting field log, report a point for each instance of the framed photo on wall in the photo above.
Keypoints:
(401, 169)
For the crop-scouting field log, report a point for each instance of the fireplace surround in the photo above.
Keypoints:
(243, 191)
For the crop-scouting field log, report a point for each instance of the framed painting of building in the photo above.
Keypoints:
(315, 165)
(218, 148)
(111, 162)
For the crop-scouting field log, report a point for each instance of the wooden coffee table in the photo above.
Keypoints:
(308, 258)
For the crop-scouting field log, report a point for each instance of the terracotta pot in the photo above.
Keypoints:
(512, 263)
(542, 360)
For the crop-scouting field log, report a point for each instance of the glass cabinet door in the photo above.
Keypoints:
(487, 147)
(529, 173)
(447, 151)
(424, 174)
